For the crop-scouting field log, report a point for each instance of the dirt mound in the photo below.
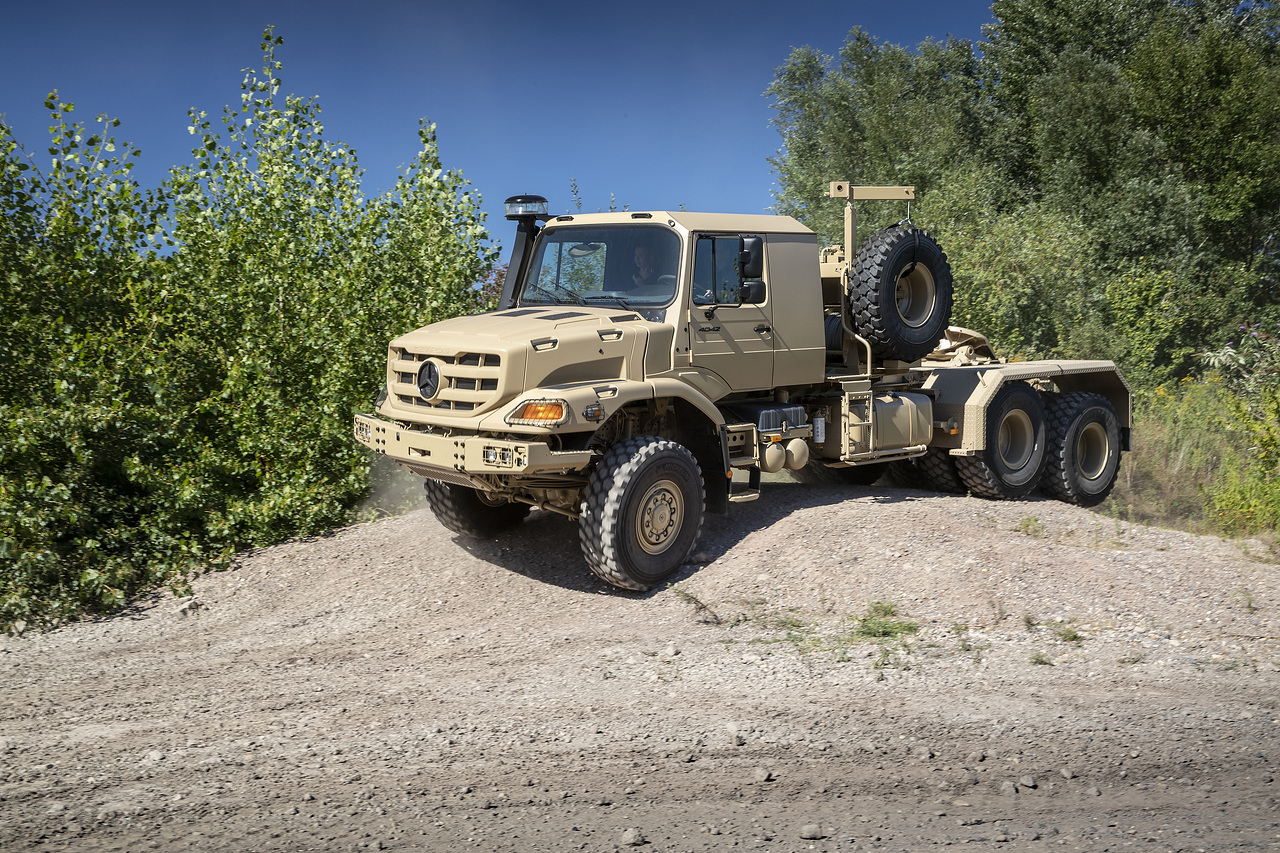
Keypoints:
(871, 669)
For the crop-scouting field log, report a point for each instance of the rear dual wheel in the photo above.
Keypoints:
(934, 470)
(1014, 459)
(1084, 448)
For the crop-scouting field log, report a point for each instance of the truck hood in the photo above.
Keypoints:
(487, 360)
(518, 325)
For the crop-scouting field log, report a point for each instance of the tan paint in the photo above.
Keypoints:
(598, 359)
(736, 344)
(791, 262)
(964, 392)
(706, 383)
(451, 457)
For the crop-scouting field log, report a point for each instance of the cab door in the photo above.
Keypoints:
(731, 338)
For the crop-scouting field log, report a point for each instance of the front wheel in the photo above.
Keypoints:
(642, 512)
(1013, 461)
(1084, 448)
(468, 512)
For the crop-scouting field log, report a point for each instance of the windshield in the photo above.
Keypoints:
(626, 265)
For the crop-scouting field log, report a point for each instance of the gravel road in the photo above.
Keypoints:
(1075, 683)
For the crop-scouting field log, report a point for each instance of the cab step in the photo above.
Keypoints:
(749, 491)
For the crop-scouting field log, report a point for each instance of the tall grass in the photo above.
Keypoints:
(1193, 465)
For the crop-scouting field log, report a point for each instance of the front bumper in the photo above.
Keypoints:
(453, 459)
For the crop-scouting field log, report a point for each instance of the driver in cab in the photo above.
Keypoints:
(646, 274)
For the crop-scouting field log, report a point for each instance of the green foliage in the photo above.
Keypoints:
(308, 276)
(1178, 448)
(1206, 454)
(1215, 102)
(1069, 634)
(1246, 498)
(1105, 180)
(83, 307)
(882, 114)
(1096, 159)
(1079, 114)
(161, 409)
(1155, 313)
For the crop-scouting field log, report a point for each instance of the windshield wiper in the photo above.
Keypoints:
(555, 300)
(617, 299)
(573, 294)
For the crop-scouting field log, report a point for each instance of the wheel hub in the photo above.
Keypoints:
(1092, 451)
(1017, 440)
(915, 295)
(660, 518)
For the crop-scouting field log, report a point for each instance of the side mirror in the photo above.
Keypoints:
(751, 257)
(751, 292)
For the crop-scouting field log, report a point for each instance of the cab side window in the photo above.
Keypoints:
(715, 270)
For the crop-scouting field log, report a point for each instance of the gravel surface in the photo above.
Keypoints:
(1075, 683)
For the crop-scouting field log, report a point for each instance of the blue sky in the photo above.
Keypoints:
(660, 103)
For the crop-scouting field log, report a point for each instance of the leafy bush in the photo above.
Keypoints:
(1247, 498)
(159, 408)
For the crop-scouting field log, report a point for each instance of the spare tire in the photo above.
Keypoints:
(900, 293)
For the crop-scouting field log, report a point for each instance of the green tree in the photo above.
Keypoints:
(881, 114)
(309, 278)
(1247, 499)
(82, 316)
(159, 410)
(1214, 101)
(1024, 276)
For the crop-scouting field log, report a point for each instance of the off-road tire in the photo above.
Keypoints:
(900, 293)
(937, 471)
(934, 471)
(465, 511)
(642, 512)
(904, 475)
(1084, 448)
(815, 473)
(1014, 459)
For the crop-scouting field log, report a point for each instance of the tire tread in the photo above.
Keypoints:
(603, 501)
(467, 515)
(866, 288)
(1063, 409)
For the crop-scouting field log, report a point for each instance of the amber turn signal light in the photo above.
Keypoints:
(540, 413)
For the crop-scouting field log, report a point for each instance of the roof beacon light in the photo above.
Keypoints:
(519, 206)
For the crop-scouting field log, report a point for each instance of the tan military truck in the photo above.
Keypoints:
(644, 368)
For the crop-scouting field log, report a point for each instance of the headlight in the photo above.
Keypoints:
(543, 413)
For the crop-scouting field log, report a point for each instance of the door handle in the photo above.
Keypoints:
(763, 328)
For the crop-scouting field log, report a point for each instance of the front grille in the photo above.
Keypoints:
(469, 381)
